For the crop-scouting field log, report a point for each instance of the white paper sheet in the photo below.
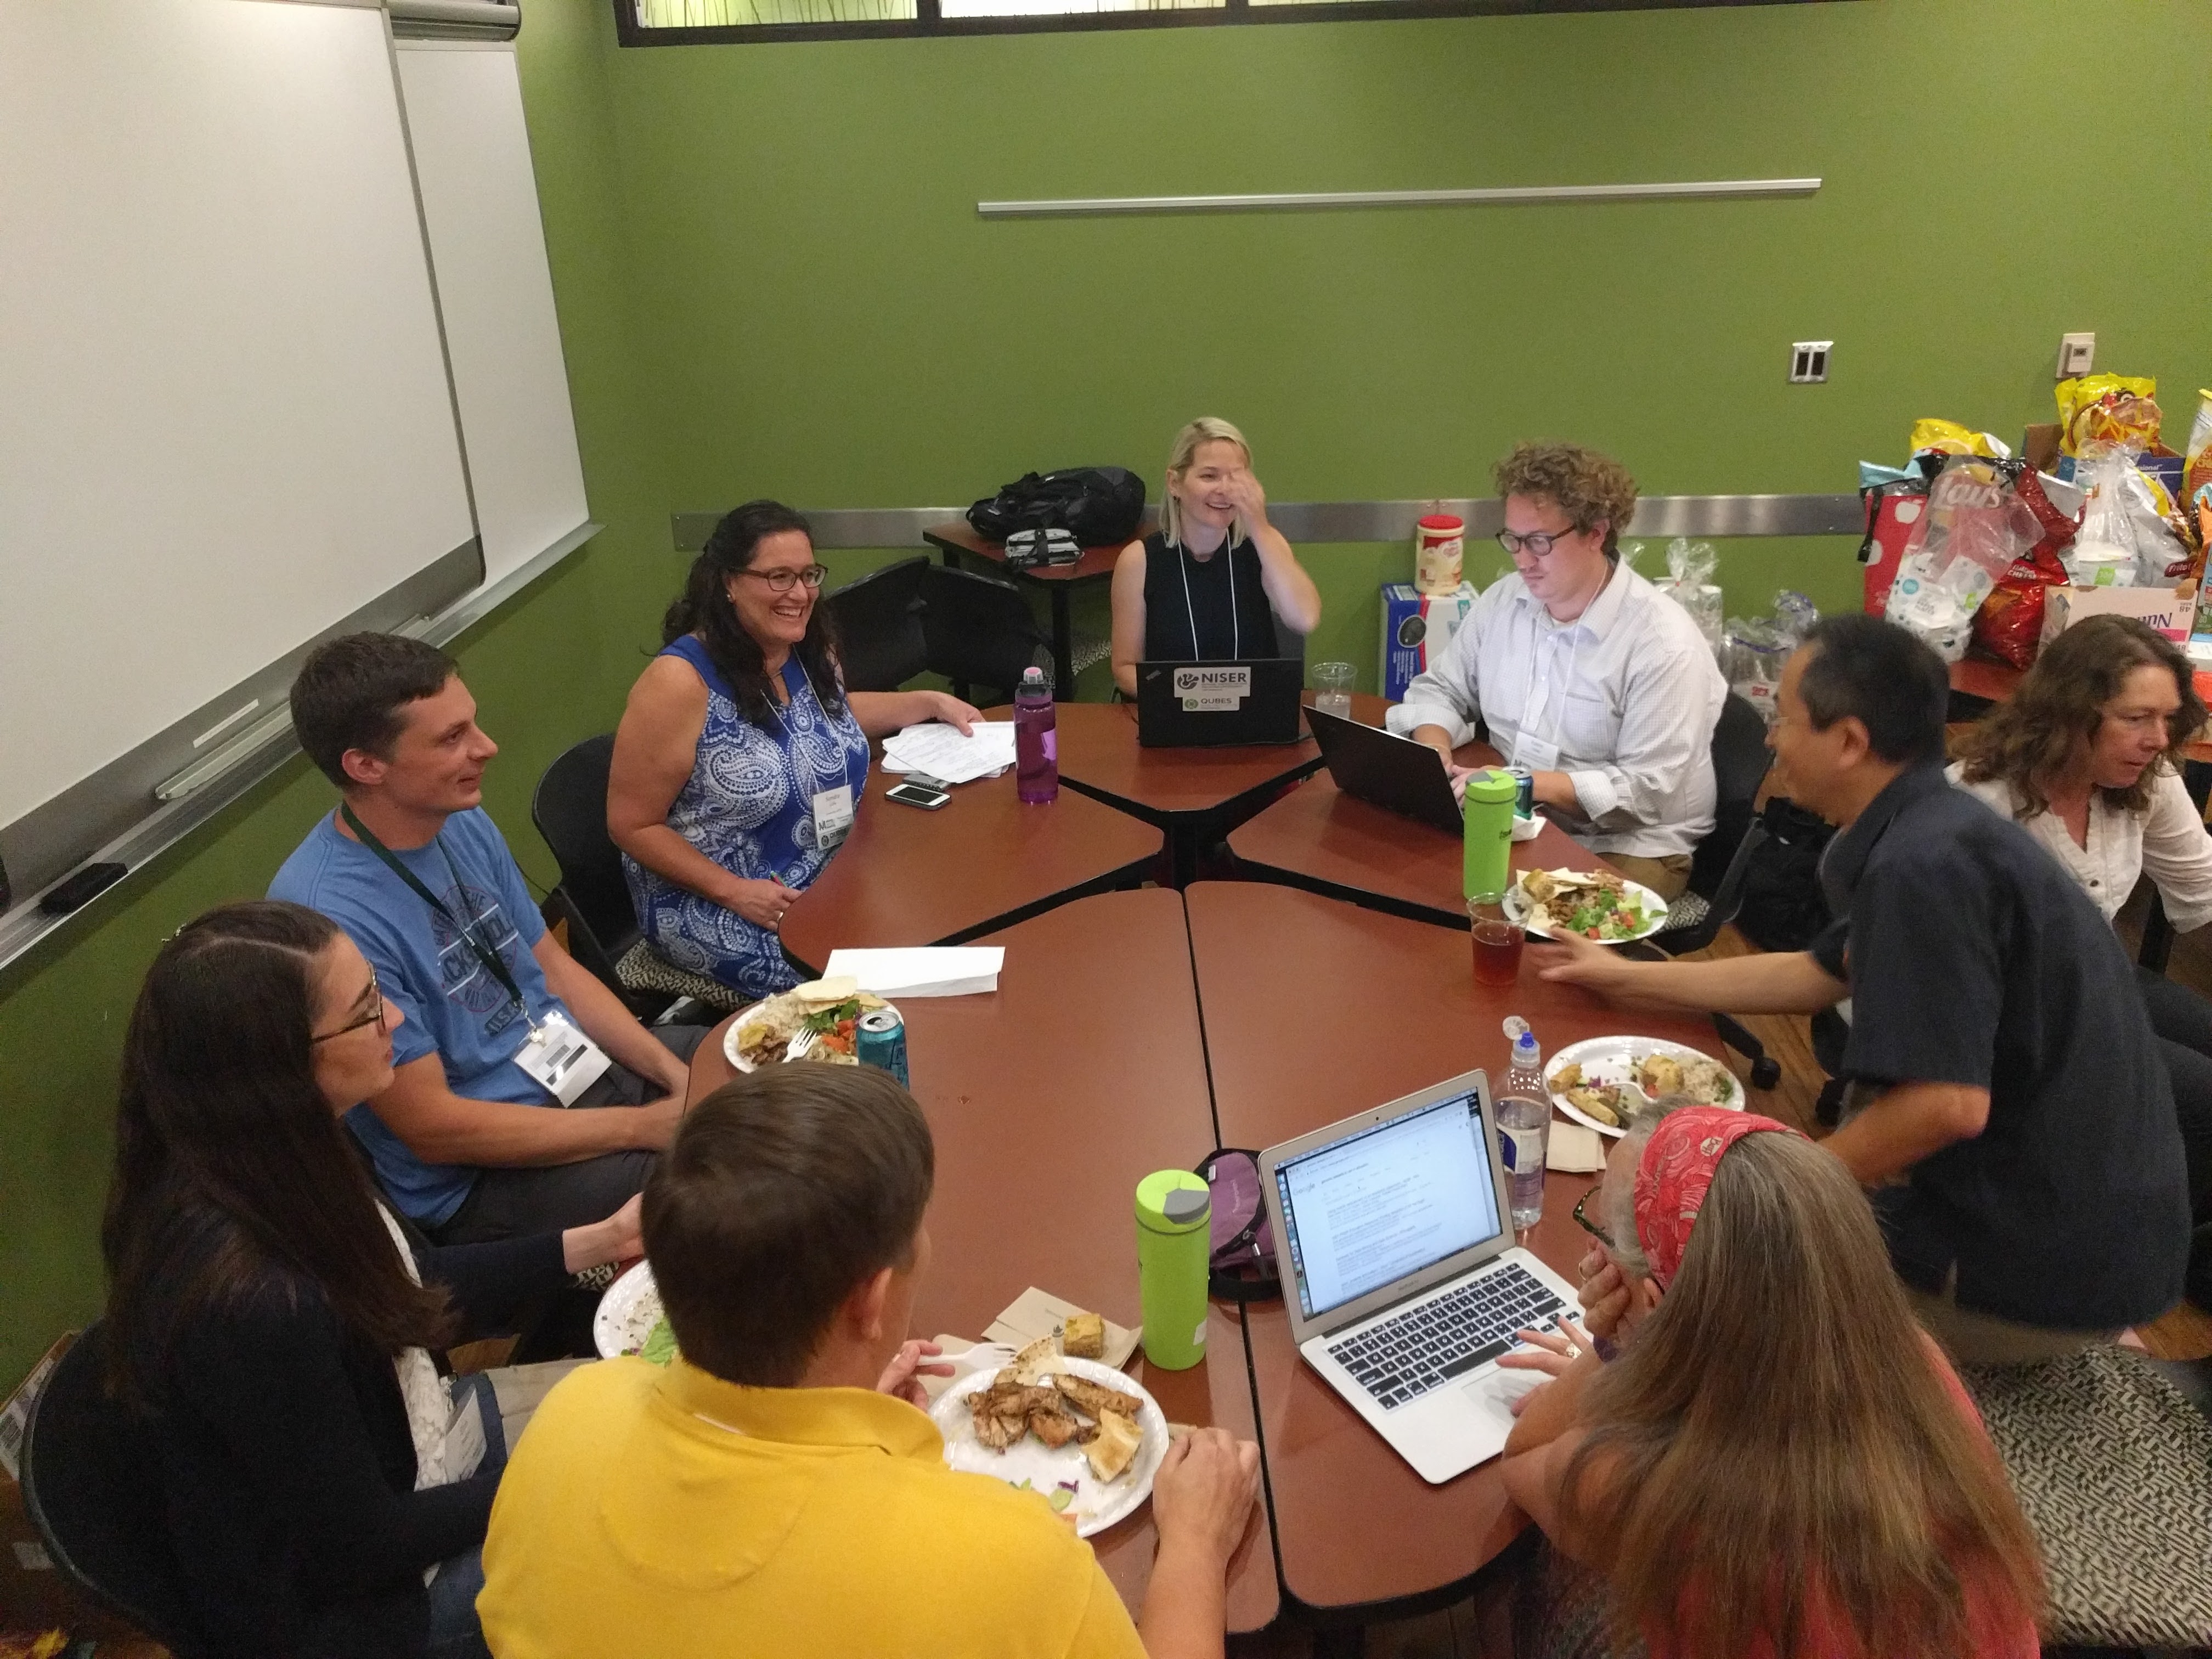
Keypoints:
(939, 751)
(924, 971)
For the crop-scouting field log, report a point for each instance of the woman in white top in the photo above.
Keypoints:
(2086, 755)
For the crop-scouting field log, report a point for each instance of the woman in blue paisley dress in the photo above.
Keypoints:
(740, 759)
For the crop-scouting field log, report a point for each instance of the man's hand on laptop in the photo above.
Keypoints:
(1459, 775)
(1203, 1494)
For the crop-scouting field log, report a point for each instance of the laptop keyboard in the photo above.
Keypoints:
(1432, 1343)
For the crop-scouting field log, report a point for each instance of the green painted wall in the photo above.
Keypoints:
(772, 281)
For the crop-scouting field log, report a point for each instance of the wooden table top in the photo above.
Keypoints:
(1099, 755)
(1318, 837)
(1040, 1141)
(1316, 1009)
(1096, 561)
(982, 861)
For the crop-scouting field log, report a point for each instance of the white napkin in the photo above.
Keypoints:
(937, 750)
(922, 971)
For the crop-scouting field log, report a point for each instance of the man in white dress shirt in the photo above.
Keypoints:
(1586, 675)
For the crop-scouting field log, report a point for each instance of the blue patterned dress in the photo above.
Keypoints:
(748, 806)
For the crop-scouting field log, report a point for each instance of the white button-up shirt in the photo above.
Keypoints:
(1628, 693)
(2167, 842)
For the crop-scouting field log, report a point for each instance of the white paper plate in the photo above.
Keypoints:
(729, 1038)
(1518, 908)
(626, 1312)
(1614, 1060)
(1095, 1506)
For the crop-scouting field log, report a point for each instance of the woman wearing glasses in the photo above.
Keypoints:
(318, 1487)
(740, 759)
(1771, 1459)
(2086, 756)
(1586, 675)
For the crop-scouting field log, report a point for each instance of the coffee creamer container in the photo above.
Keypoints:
(1439, 542)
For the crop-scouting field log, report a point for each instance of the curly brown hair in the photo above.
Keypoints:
(2027, 740)
(1585, 485)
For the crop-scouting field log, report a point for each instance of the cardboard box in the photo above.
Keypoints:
(1416, 629)
(2172, 610)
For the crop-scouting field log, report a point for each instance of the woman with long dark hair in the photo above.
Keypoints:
(739, 761)
(1777, 1463)
(325, 1489)
(2086, 755)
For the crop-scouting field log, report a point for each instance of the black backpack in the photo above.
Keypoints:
(1784, 907)
(1096, 505)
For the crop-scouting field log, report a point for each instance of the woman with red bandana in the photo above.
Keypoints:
(1770, 1462)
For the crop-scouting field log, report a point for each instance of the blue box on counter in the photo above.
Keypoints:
(1416, 629)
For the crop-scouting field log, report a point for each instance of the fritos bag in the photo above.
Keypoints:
(2009, 625)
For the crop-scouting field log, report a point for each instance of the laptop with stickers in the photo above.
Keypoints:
(1190, 705)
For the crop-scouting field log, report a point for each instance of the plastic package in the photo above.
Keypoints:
(2106, 408)
(2126, 538)
(1949, 438)
(1689, 583)
(2009, 625)
(1794, 616)
(1975, 526)
(2196, 467)
(1752, 655)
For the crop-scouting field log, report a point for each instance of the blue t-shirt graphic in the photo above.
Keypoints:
(454, 1008)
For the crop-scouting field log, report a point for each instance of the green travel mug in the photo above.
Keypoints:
(1175, 1237)
(1489, 821)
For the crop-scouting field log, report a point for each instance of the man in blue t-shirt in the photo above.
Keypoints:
(418, 875)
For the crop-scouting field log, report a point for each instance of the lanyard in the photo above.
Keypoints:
(493, 963)
(1236, 622)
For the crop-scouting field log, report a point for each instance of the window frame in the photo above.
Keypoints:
(928, 24)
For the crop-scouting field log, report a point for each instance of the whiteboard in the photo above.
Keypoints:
(463, 105)
(225, 420)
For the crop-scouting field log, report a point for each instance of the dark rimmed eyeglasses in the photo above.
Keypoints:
(780, 581)
(1589, 1226)
(373, 1017)
(1539, 543)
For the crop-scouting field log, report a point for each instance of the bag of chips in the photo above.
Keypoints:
(2111, 409)
(2009, 625)
(1937, 437)
(1976, 526)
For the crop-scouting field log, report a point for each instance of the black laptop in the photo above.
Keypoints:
(1397, 773)
(1196, 705)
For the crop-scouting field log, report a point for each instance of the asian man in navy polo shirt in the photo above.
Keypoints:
(2010, 1108)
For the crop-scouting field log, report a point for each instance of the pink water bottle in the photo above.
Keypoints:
(1036, 740)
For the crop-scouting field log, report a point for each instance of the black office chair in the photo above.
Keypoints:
(978, 630)
(1721, 863)
(570, 808)
(877, 618)
(87, 1488)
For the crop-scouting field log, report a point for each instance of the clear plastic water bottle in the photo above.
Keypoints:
(1524, 1123)
(1036, 740)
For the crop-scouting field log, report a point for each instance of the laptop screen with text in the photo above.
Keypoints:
(1377, 1205)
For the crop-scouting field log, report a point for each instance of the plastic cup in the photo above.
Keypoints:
(1497, 940)
(1332, 687)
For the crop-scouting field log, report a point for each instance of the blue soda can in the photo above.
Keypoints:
(1524, 802)
(880, 1042)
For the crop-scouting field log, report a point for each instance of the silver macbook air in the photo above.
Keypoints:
(1401, 1275)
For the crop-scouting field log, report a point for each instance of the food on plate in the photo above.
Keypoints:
(1708, 1082)
(827, 1010)
(1082, 1336)
(1115, 1447)
(1595, 904)
(1032, 1396)
(1096, 1399)
(1609, 1103)
(659, 1344)
(1659, 1075)
(1569, 1076)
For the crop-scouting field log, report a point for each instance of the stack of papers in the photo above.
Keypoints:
(925, 971)
(938, 750)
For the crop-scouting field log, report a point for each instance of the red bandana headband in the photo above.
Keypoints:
(1674, 1172)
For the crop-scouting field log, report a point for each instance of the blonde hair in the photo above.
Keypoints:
(1206, 429)
(1777, 1449)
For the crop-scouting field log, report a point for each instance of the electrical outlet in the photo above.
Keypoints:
(1808, 362)
(2077, 355)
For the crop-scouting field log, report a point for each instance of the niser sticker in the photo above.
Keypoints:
(1204, 690)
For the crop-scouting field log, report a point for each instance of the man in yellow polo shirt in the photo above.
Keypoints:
(776, 1492)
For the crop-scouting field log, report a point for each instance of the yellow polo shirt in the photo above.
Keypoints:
(653, 1512)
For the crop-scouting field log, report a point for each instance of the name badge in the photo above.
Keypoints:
(562, 1059)
(1207, 690)
(464, 1442)
(833, 816)
(1536, 754)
